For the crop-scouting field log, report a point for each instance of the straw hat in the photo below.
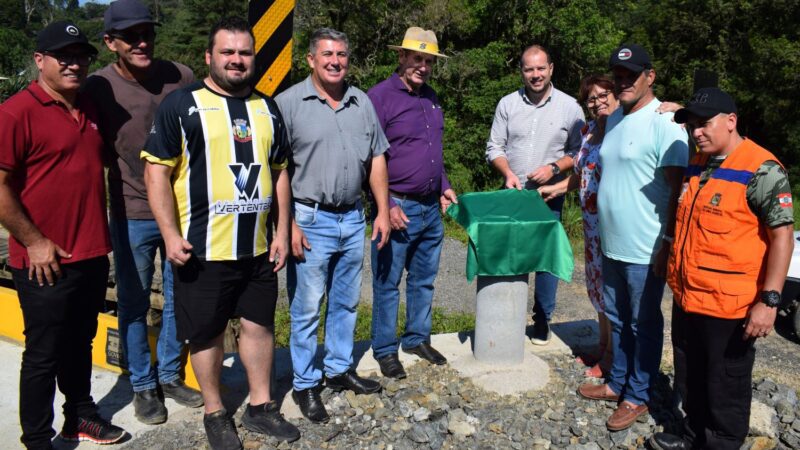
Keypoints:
(419, 40)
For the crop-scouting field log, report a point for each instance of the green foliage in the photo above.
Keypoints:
(442, 322)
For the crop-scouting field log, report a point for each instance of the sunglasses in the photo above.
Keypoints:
(601, 97)
(134, 37)
(68, 59)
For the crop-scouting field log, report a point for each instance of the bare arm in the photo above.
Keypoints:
(501, 165)
(761, 317)
(159, 196)
(544, 173)
(551, 191)
(379, 184)
(42, 252)
(674, 177)
(279, 248)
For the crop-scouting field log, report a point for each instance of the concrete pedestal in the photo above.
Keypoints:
(500, 319)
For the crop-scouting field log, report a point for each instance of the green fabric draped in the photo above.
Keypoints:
(512, 232)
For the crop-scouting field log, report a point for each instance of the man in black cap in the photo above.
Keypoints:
(643, 156)
(733, 243)
(127, 93)
(52, 202)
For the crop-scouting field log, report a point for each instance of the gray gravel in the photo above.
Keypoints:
(434, 408)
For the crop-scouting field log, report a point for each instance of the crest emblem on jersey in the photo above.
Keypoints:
(716, 199)
(785, 200)
(246, 179)
(241, 131)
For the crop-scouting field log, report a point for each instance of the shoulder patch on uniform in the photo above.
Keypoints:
(785, 200)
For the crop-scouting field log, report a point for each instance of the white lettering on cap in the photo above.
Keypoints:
(72, 30)
(625, 54)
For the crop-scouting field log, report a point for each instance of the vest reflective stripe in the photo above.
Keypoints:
(732, 175)
(718, 258)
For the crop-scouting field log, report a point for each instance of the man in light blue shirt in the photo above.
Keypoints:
(644, 154)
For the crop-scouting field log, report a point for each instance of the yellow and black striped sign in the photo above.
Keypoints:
(272, 25)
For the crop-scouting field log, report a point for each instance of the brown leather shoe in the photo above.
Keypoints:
(625, 415)
(597, 392)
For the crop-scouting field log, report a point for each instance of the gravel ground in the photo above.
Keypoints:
(434, 408)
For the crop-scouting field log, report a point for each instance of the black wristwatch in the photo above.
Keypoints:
(771, 298)
(556, 169)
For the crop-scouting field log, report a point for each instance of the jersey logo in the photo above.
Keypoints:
(785, 200)
(241, 132)
(716, 199)
(246, 180)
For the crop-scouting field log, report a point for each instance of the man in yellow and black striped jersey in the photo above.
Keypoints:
(216, 166)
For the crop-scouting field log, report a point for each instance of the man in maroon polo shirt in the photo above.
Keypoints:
(52, 202)
(412, 119)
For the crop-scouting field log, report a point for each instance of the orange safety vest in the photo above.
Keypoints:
(719, 255)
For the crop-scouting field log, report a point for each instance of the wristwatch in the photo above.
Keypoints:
(771, 298)
(556, 169)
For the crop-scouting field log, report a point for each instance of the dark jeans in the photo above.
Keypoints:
(545, 284)
(719, 367)
(60, 323)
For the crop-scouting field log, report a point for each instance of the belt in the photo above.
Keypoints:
(328, 208)
(414, 197)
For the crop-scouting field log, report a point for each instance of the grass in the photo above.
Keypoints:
(443, 322)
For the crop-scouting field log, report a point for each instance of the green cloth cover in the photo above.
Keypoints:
(512, 232)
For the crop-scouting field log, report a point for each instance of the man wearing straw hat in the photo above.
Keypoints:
(412, 119)
(535, 132)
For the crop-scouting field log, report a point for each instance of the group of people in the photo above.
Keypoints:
(231, 186)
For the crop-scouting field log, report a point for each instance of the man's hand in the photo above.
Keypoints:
(381, 226)
(299, 242)
(541, 175)
(512, 182)
(43, 255)
(278, 251)
(178, 249)
(398, 218)
(661, 258)
(759, 322)
(447, 198)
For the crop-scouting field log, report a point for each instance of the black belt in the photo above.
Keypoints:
(414, 197)
(328, 208)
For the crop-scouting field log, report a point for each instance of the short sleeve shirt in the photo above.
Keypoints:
(633, 196)
(332, 149)
(222, 149)
(56, 165)
(127, 109)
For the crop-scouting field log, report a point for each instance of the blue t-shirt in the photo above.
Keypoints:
(633, 195)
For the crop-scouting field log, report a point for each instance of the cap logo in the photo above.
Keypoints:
(72, 30)
(700, 98)
(625, 54)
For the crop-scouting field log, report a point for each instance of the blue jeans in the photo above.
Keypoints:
(546, 284)
(632, 294)
(332, 266)
(135, 244)
(417, 250)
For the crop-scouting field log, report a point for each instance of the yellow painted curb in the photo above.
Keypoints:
(105, 348)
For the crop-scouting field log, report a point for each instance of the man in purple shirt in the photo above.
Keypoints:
(412, 119)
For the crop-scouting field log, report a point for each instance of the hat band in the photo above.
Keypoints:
(426, 47)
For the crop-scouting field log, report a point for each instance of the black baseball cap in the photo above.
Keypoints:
(123, 14)
(61, 34)
(630, 56)
(705, 103)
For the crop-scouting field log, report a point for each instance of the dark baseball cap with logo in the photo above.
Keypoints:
(61, 34)
(123, 14)
(630, 56)
(706, 103)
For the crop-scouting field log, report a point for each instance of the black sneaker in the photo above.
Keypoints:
(93, 429)
(148, 408)
(267, 419)
(541, 333)
(221, 432)
(182, 394)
